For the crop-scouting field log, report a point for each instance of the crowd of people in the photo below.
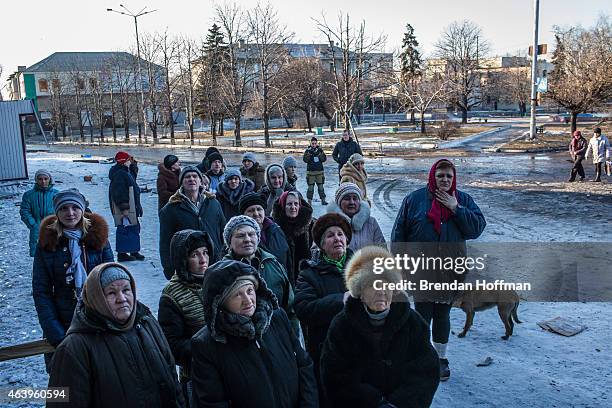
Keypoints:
(265, 305)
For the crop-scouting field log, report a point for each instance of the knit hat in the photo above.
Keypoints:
(238, 283)
(359, 272)
(249, 156)
(356, 158)
(233, 173)
(214, 156)
(189, 169)
(331, 220)
(69, 196)
(111, 274)
(42, 172)
(289, 162)
(239, 221)
(122, 157)
(345, 189)
(211, 150)
(169, 160)
(250, 199)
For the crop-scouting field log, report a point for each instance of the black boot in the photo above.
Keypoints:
(444, 370)
(138, 256)
(124, 257)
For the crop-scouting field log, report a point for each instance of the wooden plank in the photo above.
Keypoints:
(31, 348)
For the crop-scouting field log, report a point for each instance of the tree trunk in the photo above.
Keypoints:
(422, 122)
(171, 126)
(237, 131)
(574, 120)
(213, 126)
(412, 119)
(266, 123)
(221, 127)
(464, 115)
(308, 121)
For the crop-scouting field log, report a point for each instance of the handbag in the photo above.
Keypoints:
(127, 238)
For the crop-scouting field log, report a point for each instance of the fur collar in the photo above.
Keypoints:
(178, 196)
(358, 220)
(96, 238)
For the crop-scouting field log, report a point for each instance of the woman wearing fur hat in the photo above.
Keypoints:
(349, 201)
(71, 244)
(247, 355)
(36, 204)
(252, 170)
(114, 354)
(320, 290)
(231, 190)
(167, 179)
(354, 171)
(446, 217)
(401, 367)
(294, 215)
(181, 313)
(276, 184)
(272, 239)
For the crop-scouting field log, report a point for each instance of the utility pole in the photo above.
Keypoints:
(135, 17)
(534, 70)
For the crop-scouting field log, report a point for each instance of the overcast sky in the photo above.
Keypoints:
(32, 30)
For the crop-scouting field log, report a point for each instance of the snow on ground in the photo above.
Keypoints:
(534, 368)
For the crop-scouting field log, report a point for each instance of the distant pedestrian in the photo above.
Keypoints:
(115, 353)
(36, 204)
(216, 172)
(230, 191)
(354, 171)
(599, 147)
(72, 243)
(344, 149)
(577, 150)
(314, 157)
(204, 166)
(124, 198)
(290, 166)
(252, 170)
(167, 179)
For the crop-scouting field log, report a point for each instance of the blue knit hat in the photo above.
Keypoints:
(290, 161)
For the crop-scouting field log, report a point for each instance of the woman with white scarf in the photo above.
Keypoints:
(71, 244)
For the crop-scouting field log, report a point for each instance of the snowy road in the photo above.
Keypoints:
(534, 368)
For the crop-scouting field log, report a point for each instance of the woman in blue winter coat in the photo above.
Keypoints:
(36, 204)
(435, 221)
(71, 244)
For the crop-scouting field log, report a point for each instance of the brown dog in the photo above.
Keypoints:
(472, 301)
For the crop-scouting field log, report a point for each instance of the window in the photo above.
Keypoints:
(43, 85)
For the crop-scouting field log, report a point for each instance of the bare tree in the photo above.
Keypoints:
(512, 83)
(418, 92)
(355, 62)
(270, 38)
(237, 73)
(59, 104)
(187, 86)
(582, 77)
(169, 50)
(460, 48)
(151, 50)
(124, 74)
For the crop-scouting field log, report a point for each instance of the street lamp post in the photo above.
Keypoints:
(135, 17)
(534, 70)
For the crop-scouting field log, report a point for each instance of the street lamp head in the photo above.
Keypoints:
(109, 9)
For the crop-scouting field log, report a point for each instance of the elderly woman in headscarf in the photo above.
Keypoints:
(231, 190)
(294, 215)
(115, 354)
(435, 221)
(247, 355)
(37, 204)
(320, 290)
(401, 367)
(354, 171)
(71, 244)
(276, 184)
(181, 312)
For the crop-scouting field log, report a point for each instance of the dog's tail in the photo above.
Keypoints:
(514, 313)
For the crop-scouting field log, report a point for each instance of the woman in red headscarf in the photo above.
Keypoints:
(577, 149)
(435, 221)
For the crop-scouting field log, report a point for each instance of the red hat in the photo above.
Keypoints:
(122, 157)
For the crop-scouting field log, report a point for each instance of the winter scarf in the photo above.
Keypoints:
(439, 213)
(195, 207)
(237, 325)
(76, 270)
(338, 264)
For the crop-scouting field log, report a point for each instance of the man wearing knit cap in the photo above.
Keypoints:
(290, 165)
(215, 174)
(36, 204)
(314, 157)
(344, 149)
(242, 236)
(167, 179)
(349, 201)
(252, 170)
(190, 208)
(124, 199)
(204, 166)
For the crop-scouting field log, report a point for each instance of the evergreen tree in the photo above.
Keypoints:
(410, 60)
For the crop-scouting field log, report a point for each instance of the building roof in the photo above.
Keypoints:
(85, 61)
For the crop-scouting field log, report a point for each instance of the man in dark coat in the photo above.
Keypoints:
(314, 157)
(167, 179)
(344, 149)
(115, 354)
(190, 208)
(249, 359)
(123, 186)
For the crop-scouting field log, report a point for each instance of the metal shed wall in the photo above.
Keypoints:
(12, 144)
